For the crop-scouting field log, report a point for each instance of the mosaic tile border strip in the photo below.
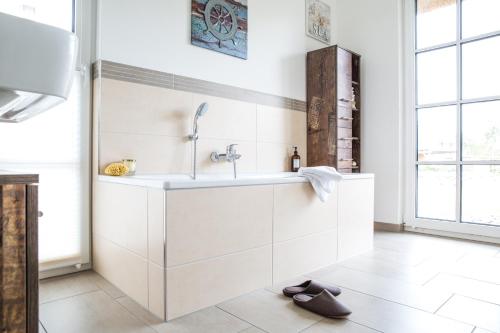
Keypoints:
(116, 71)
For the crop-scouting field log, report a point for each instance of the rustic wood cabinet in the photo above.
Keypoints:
(334, 109)
(18, 253)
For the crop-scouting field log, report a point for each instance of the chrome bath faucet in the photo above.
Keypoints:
(230, 156)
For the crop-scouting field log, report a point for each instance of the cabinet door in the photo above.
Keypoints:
(344, 78)
(355, 217)
(13, 258)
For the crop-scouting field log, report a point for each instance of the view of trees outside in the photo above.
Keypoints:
(437, 82)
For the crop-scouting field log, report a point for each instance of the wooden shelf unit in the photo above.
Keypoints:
(333, 123)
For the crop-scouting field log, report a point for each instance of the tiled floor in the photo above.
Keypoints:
(408, 283)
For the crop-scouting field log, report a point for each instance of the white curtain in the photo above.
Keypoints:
(55, 145)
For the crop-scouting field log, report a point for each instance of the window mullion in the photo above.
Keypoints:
(458, 207)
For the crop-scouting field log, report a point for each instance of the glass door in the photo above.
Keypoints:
(456, 164)
(56, 145)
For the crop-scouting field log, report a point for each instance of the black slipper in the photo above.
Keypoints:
(310, 287)
(324, 304)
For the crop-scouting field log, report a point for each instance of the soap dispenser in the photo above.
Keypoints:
(295, 160)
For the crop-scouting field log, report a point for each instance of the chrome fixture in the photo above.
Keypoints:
(202, 109)
(230, 156)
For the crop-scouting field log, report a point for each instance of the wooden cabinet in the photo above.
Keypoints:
(18, 253)
(333, 109)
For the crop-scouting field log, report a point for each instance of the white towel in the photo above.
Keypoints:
(322, 179)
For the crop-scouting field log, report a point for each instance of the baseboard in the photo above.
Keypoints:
(391, 227)
(451, 234)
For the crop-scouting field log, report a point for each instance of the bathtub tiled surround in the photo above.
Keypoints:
(179, 250)
(147, 115)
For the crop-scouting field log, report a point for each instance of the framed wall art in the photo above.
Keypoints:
(220, 25)
(318, 20)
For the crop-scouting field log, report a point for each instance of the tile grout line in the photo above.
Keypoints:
(75, 295)
(243, 320)
(439, 308)
(378, 297)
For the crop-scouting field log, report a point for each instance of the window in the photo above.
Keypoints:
(55, 145)
(457, 111)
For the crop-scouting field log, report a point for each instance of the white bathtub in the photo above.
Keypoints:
(178, 181)
(153, 235)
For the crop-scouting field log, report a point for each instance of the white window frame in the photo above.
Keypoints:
(85, 29)
(412, 222)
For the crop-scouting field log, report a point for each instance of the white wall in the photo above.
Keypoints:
(156, 34)
(374, 30)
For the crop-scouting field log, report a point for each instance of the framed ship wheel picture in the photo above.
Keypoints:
(220, 25)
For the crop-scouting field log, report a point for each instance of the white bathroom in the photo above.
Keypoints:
(249, 166)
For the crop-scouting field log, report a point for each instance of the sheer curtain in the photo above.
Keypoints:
(55, 145)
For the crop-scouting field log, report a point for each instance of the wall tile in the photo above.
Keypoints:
(276, 157)
(217, 280)
(124, 269)
(121, 215)
(294, 257)
(154, 154)
(151, 124)
(281, 125)
(229, 220)
(226, 119)
(137, 108)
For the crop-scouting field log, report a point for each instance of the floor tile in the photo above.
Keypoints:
(403, 258)
(40, 328)
(66, 286)
(270, 312)
(478, 313)
(94, 312)
(391, 317)
(106, 286)
(480, 290)
(389, 289)
(480, 330)
(253, 329)
(338, 326)
(478, 267)
(209, 320)
(410, 274)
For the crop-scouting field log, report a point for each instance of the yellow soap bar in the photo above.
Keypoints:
(116, 169)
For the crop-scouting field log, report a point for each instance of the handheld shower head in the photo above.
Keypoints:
(202, 109)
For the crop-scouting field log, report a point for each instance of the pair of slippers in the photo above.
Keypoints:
(318, 298)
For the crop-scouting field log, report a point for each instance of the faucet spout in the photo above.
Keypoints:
(230, 156)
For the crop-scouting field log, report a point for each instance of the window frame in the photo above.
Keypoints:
(411, 122)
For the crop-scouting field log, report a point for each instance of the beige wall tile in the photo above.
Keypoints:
(151, 124)
(281, 125)
(156, 226)
(299, 212)
(142, 109)
(355, 217)
(195, 286)
(276, 157)
(156, 290)
(226, 119)
(245, 164)
(206, 223)
(121, 213)
(123, 268)
(154, 154)
(302, 255)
